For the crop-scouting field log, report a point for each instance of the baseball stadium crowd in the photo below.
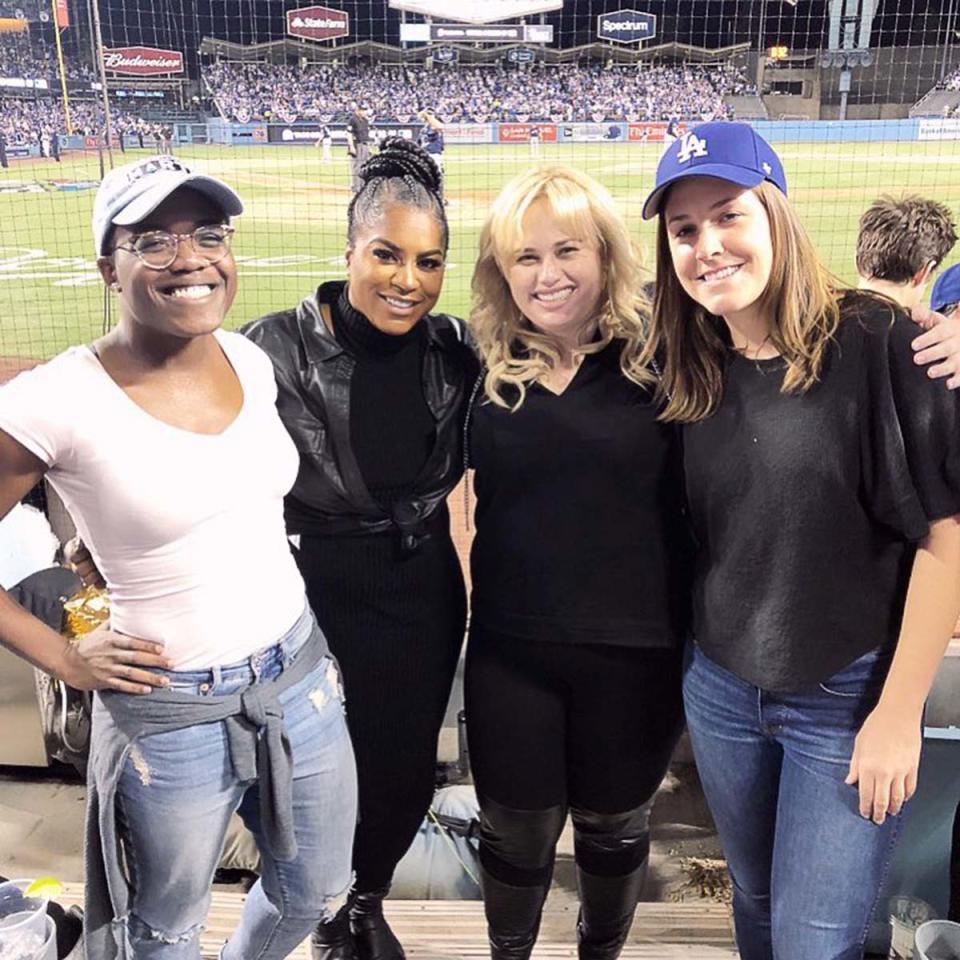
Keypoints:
(21, 56)
(564, 93)
(26, 120)
(35, 117)
(951, 82)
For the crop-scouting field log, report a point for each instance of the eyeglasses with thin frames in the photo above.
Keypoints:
(158, 248)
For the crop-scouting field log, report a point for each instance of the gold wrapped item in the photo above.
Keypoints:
(86, 610)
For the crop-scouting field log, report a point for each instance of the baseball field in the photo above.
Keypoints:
(292, 234)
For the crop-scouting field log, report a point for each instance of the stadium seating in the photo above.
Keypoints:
(256, 91)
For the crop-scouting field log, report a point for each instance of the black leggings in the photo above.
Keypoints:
(396, 627)
(552, 727)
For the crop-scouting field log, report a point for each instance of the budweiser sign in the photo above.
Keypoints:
(142, 61)
(317, 23)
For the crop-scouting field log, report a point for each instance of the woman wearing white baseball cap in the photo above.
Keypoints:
(823, 476)
(174, 468)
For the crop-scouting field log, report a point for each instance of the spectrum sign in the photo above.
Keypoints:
(626, 26)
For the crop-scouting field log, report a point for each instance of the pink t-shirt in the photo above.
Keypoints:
(186, 528)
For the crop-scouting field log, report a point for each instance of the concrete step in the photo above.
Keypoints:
(456, 930)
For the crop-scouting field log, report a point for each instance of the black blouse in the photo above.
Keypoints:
(807, 506)
(580, 532)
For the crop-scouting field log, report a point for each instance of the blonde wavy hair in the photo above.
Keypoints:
(801, 297)
(514, 353)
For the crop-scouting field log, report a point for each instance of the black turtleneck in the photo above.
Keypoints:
(393, 617)
(391, 427)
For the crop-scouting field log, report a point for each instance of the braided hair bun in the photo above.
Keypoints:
(404, 160)
(401, 173)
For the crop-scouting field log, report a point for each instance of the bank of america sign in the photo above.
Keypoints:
(626, 26)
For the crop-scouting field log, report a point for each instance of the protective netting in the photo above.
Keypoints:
(860, 97)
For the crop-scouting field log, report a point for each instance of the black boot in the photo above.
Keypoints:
(607, 905)
(513, 917)
(371, 933)
(332, 940)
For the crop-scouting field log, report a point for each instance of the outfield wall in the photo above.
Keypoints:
(778, 131)
(306, 134)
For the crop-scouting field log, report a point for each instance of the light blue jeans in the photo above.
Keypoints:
(806, 867)
(178, 790)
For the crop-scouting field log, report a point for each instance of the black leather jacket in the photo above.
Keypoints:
(313, 375)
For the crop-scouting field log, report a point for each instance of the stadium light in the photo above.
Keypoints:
(478, 11)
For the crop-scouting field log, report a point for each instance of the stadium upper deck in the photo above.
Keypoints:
(497, 93)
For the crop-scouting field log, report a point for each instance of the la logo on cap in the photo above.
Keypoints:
(691, 146)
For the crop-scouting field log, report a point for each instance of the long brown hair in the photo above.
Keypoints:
(801, 299)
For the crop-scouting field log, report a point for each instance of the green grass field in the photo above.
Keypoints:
(291, 236)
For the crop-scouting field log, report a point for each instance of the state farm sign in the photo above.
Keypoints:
(317, 23)
(142, 61)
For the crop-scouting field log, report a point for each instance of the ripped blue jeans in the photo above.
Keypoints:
(176, 794)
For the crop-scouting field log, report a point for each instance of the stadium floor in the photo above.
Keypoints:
(455, 930)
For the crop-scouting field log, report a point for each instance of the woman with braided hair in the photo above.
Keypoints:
(373, 389)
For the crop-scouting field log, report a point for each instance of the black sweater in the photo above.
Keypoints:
(580, 533)
(807, 506)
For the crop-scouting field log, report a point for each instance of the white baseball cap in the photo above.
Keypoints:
(129, 193)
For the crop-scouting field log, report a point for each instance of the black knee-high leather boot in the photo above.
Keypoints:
(612, 853)
(372, 935)
(513, 917)
(607, 905)
(517, 844)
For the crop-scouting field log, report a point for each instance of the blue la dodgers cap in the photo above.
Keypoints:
(947, 289)
(729, 151)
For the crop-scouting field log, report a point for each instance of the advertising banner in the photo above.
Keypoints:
(594, 132)
(307, 134)
(520, 55)
(317, 23)
(301, 133)
(140, 94)
(626, 26)
(22, 83)
(142, 61)
(470, 33)
(946, 128)
(466, 132)
(520, 132)
(94, 143)
(650, 132)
